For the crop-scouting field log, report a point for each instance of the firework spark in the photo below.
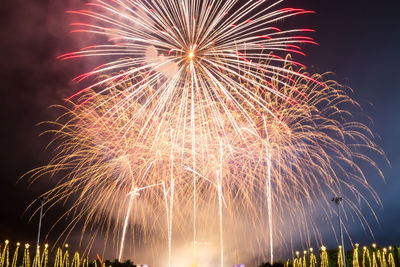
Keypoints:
(197, 114)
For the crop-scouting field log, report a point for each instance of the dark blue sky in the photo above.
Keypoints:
(359, 41)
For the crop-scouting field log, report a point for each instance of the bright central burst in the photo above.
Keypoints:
(197, 120)
(191, 55)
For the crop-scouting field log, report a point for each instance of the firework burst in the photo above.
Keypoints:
(197, 120)
(284, 161)
(201, 47)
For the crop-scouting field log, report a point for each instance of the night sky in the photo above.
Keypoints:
(358, 40)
